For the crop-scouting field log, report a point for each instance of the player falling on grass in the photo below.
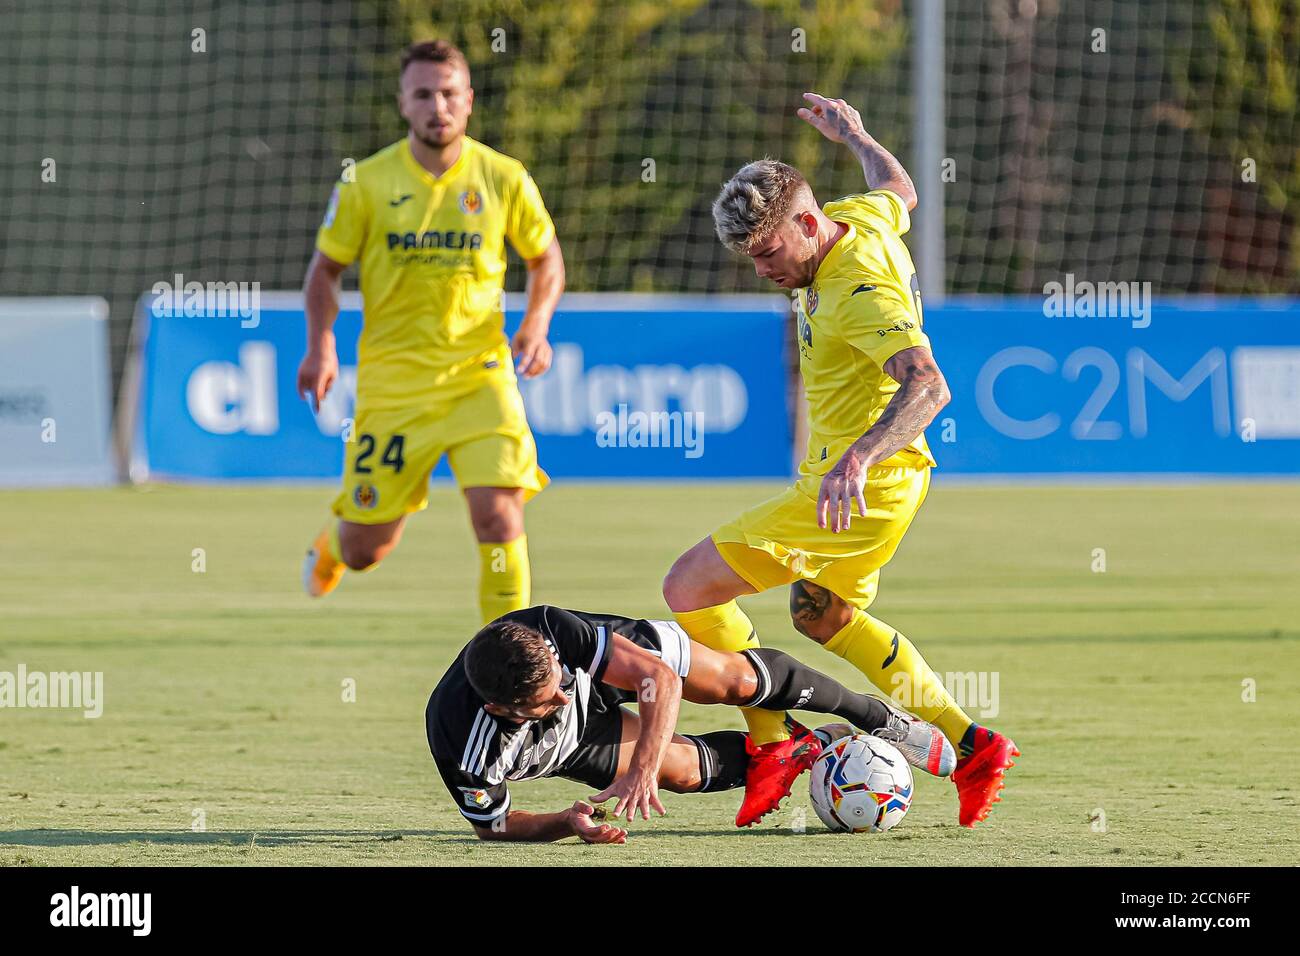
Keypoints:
(427, 218)
(538, 693)
(872, 387)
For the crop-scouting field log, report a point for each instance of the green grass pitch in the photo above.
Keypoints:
(223, 689)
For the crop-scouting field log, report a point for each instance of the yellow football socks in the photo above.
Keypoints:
(895, 666)
(727, 628)
(505, 580)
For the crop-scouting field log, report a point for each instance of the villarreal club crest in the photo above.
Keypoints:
(471, 202)
(365, 496)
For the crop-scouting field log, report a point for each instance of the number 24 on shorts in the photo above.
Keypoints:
(392, 455)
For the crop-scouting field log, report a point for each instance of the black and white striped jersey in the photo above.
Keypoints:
(478, 753)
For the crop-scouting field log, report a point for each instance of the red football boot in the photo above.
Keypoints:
(979, 776)
(772, 769)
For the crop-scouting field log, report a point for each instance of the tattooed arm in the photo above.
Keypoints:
(841, 123)
(923, 391)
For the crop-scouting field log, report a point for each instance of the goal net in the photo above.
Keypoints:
(1118, 141)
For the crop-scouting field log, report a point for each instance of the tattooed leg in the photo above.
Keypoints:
(816, 612)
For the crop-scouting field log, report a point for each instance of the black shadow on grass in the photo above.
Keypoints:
(267, 838)
(209, 838)
(780, 832)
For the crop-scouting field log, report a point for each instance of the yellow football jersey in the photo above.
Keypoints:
(863, 306)
(433, 261)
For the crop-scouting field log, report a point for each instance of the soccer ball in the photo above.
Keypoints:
(861, 784)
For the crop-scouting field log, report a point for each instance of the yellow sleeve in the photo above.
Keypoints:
(881, 209)
(528, 224)
(878, 324)
(343, 230)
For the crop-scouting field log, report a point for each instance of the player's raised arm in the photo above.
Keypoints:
(659, 697)
(922, 392)
(840, 123)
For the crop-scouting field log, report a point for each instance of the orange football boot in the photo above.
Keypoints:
(321, 571)
(979, 777)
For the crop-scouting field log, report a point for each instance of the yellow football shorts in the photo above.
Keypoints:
(484, 435)
(778, 542)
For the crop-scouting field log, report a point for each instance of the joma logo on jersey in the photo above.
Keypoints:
(435, 239)
(904, 326)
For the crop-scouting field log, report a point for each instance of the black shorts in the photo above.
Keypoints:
(595, 762)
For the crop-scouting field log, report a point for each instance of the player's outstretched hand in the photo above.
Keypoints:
(316, 376)
(635, 790)
(834, 119)
(532, 352)
(588, 830)
(844, 486)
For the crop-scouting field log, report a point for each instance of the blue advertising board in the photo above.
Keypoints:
(641, 386)
(1193, 386)
(689, 387)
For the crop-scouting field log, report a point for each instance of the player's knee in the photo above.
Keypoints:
(821, 630)
(817, 613)
(499, 524)
(679, 594)
(362, 551)
(681, 779)
(741, 684)
(360, 555)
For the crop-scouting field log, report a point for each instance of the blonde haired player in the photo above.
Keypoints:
(427, 219)
(872, 387)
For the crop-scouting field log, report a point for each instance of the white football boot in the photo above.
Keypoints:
(924, 745)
